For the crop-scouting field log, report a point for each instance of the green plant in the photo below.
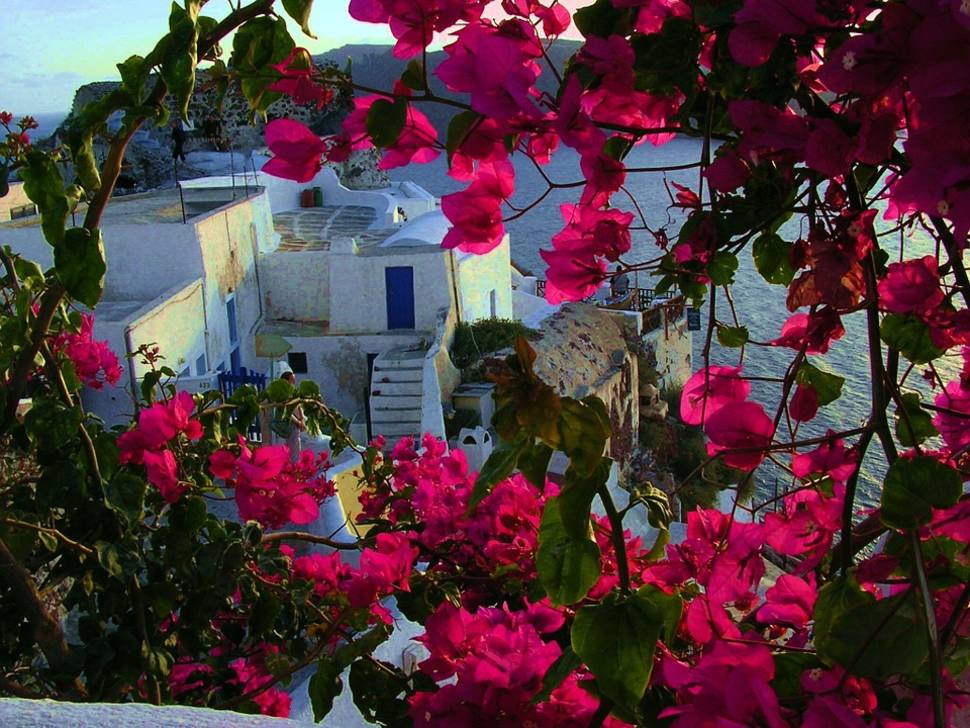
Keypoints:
(485, 336)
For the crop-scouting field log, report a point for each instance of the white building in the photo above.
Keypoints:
(361, 298)
(181, 275)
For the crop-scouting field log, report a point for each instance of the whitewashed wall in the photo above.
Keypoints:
(358, 292)
(478, 276)
(296, 285)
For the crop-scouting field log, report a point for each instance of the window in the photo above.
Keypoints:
(492, 303)
(185, 372)
(297, 361)
(234, 361)
(231, 316)
(221, 367)
(200, 365)
(22, 211)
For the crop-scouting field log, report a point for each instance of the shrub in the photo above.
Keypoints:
(474, 340)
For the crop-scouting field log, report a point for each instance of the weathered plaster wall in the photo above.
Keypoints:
(143, 260)
(338, 364)
(173, 321)
(478, 276)
(15, 197)
(229, 240)
(296, 285)
(358, 293)
(582, 351)
(668, 349)
(439, 375)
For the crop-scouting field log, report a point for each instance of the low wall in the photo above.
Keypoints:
(439, 377)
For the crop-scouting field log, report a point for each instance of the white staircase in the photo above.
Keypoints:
(396, 394)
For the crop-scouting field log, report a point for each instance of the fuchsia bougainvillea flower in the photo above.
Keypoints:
(476, 212)
(269, 488)
(710, 389)
(94, 362)
(297, 80)
(297, 151)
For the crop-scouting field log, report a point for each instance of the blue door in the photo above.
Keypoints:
(399, 283)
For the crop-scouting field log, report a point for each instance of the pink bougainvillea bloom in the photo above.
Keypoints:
(709, 390)
(157, 425)
(414, 22)
(297, 82)
(163, 474)
(790, 601)
(766, 129)
(604, 176)
(653, 13)
(495, 66)
(475, 213)
(297, 151)
(727, 172)
(807, 524)
(188, 675)
(828, 149)
(598, 232)
(911, 286)
(390, 563)
(953, 423)
(743, 426)
(816, 331)
(94, 362)
(804, 403)
(572, 276)
(830, 459)
(414, 144)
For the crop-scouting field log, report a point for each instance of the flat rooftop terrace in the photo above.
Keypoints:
(156, 206)
(313, 228)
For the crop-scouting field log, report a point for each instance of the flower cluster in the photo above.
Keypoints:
(162, 427)
(491, 665)
(269, 488)
(94, 362)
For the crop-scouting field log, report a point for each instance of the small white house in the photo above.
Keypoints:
(363, 300)
(181, 275)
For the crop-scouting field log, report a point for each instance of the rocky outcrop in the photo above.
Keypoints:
(220, 140)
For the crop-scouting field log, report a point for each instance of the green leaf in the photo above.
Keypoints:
(264, 613)
(110, 558)
(534, 462)
(308, 388)
(51, 425)
(324, 686)
(770, 255)
(910, 336)
(80, 265)
(379, 693)
(584, 428)
(178, 55)
(259, 43)
(890, 630)
(827, 386)
(125, 494)
(721, 268)
(134, 75)
(667, 61)
(568, 568)
(602, 19)
(732, 336)
(499, 466)
(413, 78)
(913, 423)
(299, 10)
(385, 121)
(557, 672)
(4, 180)
(45, 188)
(617, 643)
(834, 599)
(913, 488)
(279, 390)
(576, 498)
(789, 667)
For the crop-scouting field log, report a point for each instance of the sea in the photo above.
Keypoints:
(759, 305)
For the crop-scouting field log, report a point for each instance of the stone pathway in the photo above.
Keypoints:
(313, 228)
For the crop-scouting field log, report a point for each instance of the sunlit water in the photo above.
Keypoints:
(760, 306)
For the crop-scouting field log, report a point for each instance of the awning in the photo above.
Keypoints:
(271, 345)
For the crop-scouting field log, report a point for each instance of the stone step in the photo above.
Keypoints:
(414, 389)
(393, 431)
(398, 375)
(386, 400)
(379, 416)
(411, 360)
